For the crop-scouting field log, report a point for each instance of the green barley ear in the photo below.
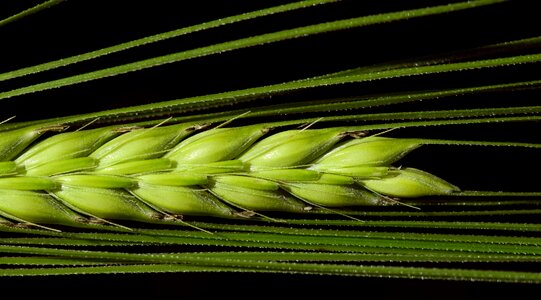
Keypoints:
(37, 208)
(369, 151)
(216, 145)
(141, 144)
(65, 146)
(180, 200)
(291, 148)
(105, 203)
(409, 183)
(329, 195)
(257, 197)
(14, 141)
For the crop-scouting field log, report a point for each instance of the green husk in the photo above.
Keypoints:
(62, 167)
(36, 208)
(291, 148)
(65, 146)
(106, 203)
(138, 167)
(14, 142)
(140, 174)
(216, 145)
(369, 151)
(410, 183)
(140, 144)
(180, 200)
(334, 195)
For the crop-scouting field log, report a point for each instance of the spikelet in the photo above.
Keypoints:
(254, 194)
(36, 208)
(291, 148)
(409, 183)
(65, 146)
(148, 174)
(15, 141)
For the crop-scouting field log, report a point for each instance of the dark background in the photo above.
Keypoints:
(76, 27)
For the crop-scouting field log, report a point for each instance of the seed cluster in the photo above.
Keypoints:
(145, 174)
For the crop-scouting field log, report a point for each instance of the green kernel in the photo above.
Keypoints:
(408, 183)
(106, 203)
(63, 166)
(36, 208)
(65, 146)
(257, 200)
(291, 148)
(140, 144)
(216, 145)
(369, 151)
(14, 141)
(138, 167)
(182, 200)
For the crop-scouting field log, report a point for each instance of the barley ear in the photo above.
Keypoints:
(150, 174)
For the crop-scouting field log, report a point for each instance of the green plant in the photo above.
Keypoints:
(466, 86)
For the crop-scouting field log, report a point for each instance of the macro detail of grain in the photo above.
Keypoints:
(270, 139)
(164, 172)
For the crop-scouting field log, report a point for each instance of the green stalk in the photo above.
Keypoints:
(158, 37)
(292, 268)
(271, 38)
(30, 11)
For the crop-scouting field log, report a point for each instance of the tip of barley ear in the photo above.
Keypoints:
(410, 183)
